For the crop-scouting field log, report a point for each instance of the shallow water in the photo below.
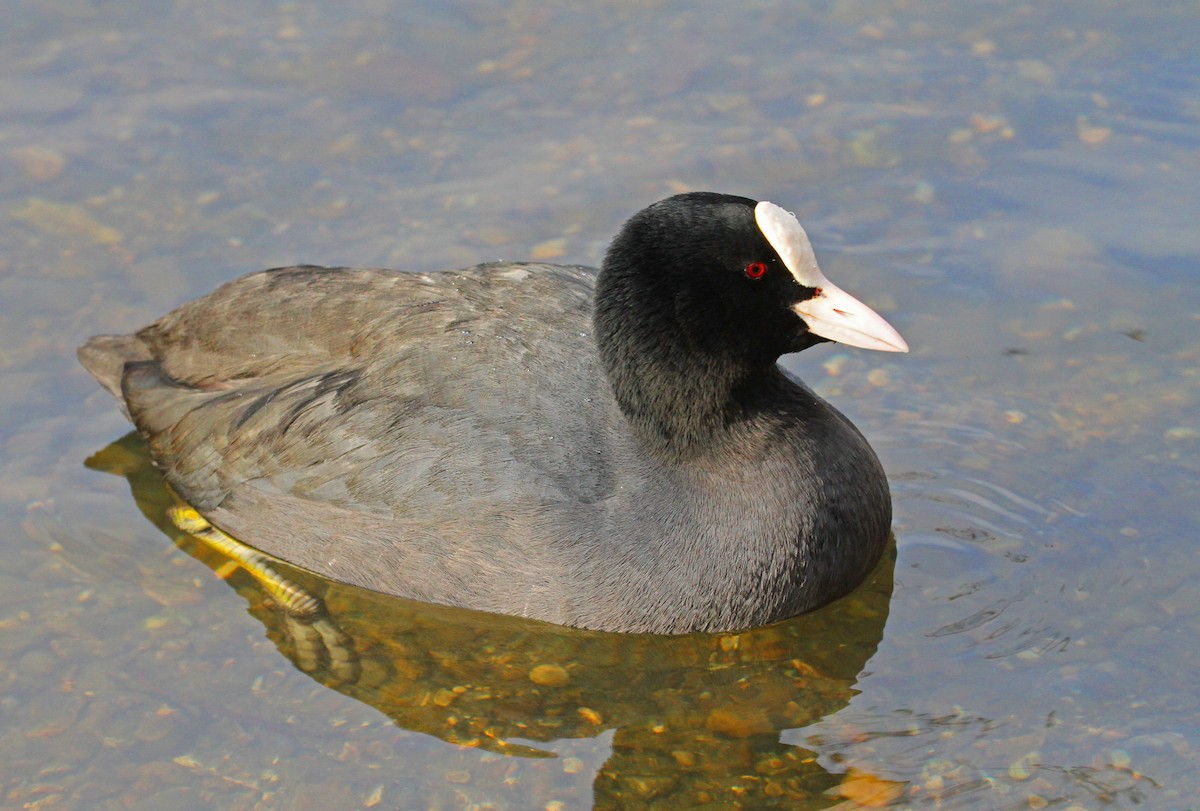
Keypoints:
(1016, 187)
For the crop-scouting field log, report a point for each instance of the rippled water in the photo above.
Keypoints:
(1017, 188)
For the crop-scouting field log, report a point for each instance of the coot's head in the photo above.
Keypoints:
(728, 278)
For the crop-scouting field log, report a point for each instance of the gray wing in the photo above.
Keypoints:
(386, 429)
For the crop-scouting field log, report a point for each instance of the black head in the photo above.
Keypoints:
(727, 278)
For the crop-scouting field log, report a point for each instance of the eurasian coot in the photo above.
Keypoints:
(614, 450)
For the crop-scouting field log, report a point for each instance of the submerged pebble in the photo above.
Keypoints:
(549, 676)
(65, 220)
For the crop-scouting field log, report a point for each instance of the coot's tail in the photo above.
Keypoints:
(105, 357)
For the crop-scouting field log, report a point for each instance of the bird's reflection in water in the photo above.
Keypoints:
(694, 719)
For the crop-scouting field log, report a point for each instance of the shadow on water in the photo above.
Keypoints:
(687, 720)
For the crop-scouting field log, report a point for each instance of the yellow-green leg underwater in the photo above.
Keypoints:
(307, 621)
(291, 597)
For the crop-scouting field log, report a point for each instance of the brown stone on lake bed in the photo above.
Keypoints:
(549, 676)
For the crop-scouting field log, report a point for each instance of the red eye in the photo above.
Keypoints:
(756, 270)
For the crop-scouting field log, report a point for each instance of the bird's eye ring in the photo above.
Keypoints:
(756, 270)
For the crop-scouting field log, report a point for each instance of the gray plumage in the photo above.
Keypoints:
(459, 437)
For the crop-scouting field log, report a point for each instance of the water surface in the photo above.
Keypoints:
(1016, 187)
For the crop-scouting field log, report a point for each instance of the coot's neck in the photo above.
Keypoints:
(682, 387)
